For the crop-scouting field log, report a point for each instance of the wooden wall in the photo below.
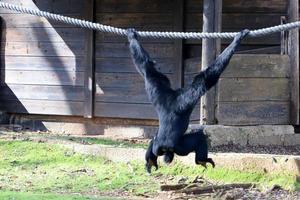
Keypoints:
(255, 89)
(42, 62)
(238, 15)
(119, 88)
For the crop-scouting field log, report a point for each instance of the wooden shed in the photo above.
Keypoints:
(51, 68)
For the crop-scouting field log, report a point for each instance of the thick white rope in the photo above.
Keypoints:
(120, 31)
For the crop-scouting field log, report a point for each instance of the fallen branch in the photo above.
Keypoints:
(212, 188)
(172, 187)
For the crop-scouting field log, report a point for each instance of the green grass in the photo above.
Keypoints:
(31, 196)
(222, 175)
(25, 165)
(28, 169)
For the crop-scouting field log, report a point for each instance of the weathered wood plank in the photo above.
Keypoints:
(249, 66)
(252, 113)
(41, 92)
(43, 107)
(61, 6)
(258, 66)
(120, 50)
(43, 35)
(42, 77)
(50, 6)
(144, 20)
(119, 110)
(43, 48)
(69, 93)
(272, 39)
(244, 6)
(194, 50)
(236, 21)
(192, 65)
(259, 49)
(131, 111)
(121, 95)
(30, 21)
(121, 65)
(121, 87)
(218, 23)
(121, 80)
(112, 38)
(24, 63)
(253, 89)
(133, 6)
(178, 44)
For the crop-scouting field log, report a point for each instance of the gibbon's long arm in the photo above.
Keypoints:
(206, 79)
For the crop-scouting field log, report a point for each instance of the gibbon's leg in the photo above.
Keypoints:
(195, 142)
(151, 159)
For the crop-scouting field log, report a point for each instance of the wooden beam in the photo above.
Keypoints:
(2, 55)
(293, 49)
(178, 44)
(89, 75)
(283, 38)
(212, 10)
(218, 24)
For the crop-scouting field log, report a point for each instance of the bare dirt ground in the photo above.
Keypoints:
(232, 193)
(235, 194)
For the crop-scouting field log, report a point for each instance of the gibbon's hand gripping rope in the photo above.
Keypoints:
(120, 31)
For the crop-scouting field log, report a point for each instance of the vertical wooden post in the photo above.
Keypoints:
(89, 75)
(218, 24)
(178, 53)
(283, 38)
(293, 49)
(212, 11)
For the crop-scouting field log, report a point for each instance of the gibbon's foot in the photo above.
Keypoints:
(203, 163)
(149, 164)
(168, 157)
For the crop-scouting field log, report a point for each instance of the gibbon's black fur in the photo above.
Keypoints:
(194, 141)
(174, 107)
